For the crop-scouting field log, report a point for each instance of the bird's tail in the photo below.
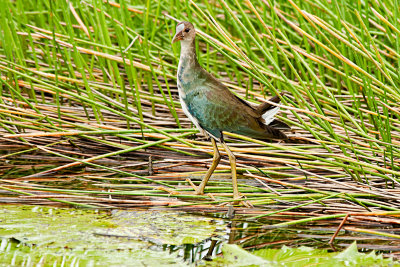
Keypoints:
(268, 112)
(269, 115)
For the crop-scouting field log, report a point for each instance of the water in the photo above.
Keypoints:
(151, 237)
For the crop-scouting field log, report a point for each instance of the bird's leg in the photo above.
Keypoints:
(232, 160)
(216, 159)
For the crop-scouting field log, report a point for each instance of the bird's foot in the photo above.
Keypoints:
(211, 196)
(240, 200)
(195, 188)
(247, 204)
(168, 190)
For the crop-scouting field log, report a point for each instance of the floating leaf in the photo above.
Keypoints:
(302, 256)
(92, 238)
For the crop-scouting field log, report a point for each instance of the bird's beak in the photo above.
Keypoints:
(178, 37)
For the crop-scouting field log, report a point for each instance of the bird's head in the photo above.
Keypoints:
(185, 32)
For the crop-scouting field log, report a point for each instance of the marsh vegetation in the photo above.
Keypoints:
(90, 115)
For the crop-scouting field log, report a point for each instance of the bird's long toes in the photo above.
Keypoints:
(195, 188)
(245, 203)
(199, 192)
(241, 201)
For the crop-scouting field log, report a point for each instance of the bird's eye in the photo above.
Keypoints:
(187, 30)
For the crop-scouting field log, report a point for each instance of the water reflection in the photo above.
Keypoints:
(251, 235)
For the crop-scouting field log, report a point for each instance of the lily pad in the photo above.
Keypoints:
(58, 236)
(302, 256)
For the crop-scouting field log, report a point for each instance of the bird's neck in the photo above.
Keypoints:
(187, 62)
(188, 51)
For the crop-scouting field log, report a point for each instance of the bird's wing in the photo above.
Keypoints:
(222, 93)
(212, 111)
(217, 109)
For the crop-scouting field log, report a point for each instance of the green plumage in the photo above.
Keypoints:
(215, 108)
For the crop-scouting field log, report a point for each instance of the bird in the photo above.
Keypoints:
(213, 108)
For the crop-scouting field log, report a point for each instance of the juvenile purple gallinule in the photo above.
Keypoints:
(213, 108)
